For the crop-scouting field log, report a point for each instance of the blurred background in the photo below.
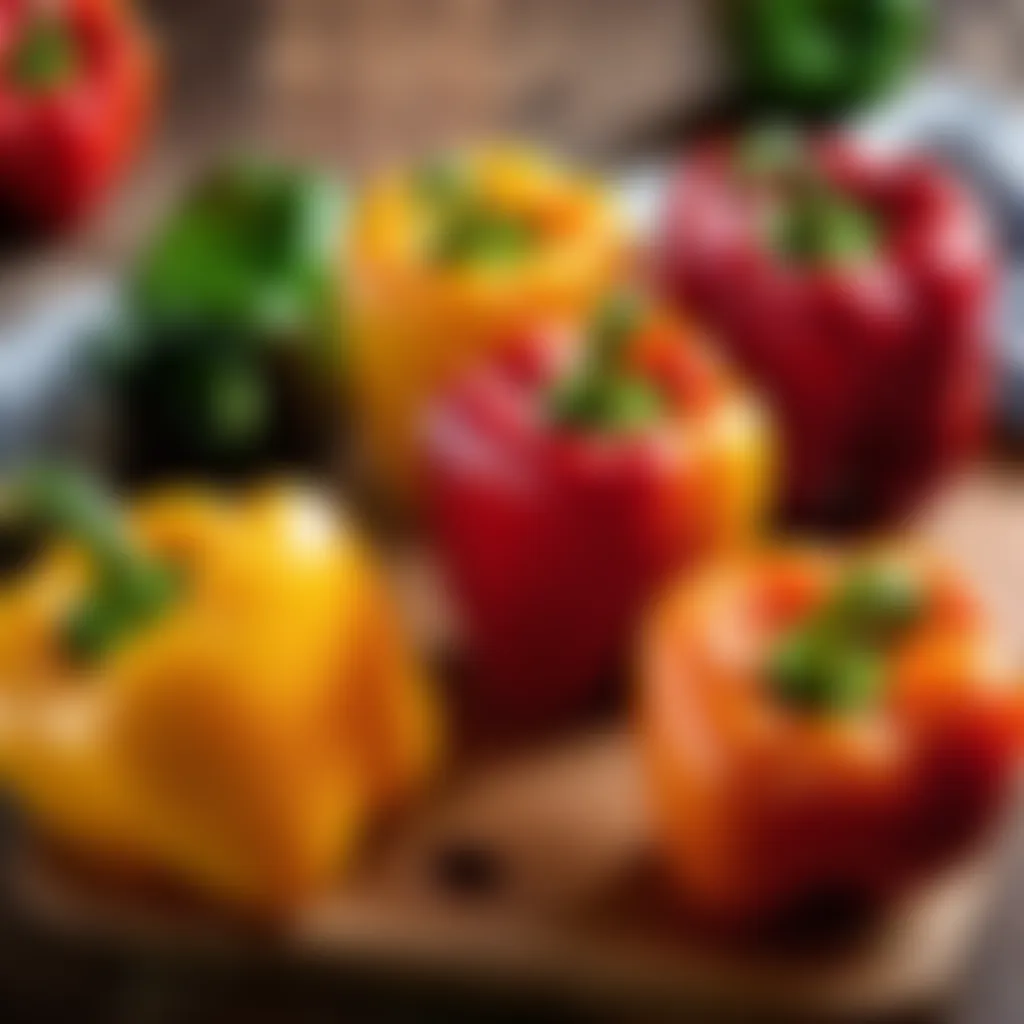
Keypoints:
(354, 83)
(351, 85)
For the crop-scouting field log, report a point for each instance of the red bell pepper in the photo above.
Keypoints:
(566, 477)
(76, 86)
(855, 290)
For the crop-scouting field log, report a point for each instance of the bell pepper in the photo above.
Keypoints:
(76, 92)
(822, 730)
(223, 357)
(214, 694)
(565, 478)
(446, 258)
(824, 57)
(855, 291)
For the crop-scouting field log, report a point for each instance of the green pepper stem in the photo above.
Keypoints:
(834, 660)
(613, 328)
(814, 221)
(68, 503)
(600, 393)
(45, 57)
(131, 588)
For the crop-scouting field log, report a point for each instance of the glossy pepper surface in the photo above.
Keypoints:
(566, 478)
(445, 259)
(855, 291)
(236, 736)
(76, 91)
(816, 727)
(225, 352)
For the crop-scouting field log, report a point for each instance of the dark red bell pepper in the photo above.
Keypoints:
(566, 478)
(855, 290)
(76, 88)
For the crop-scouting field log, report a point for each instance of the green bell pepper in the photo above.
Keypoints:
(231, 328)
(824, 57)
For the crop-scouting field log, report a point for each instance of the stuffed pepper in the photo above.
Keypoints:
(222, 358)
(214, 694)
(566, 477)
(76, 91)
(822, 730)
(448, 257)
(855, 290)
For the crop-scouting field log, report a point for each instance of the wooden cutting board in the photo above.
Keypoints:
(532, 873)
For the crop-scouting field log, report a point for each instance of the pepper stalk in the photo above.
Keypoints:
(129, 589)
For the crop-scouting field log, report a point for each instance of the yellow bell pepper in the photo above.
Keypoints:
(446, 261)
(239, 741)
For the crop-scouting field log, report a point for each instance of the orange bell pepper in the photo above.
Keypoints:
(447, 259)
(237, 739)
(814, 726)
